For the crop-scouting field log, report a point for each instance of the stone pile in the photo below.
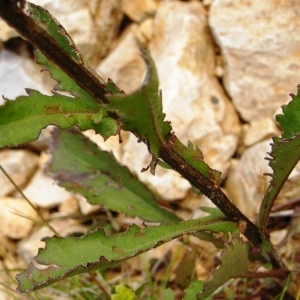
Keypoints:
(225, 68)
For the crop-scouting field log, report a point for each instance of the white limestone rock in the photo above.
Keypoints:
(260, 45)
(138, 10)
(246, 184)
(20, 166)
(28, 248)
(6, 31)
(124, 64)
(183, 52)
(15, 68)
(44, 192)
(16, 217)
(259, 130)
(192, 98)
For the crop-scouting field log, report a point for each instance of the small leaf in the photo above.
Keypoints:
(80, 166)
(194, 157)
(22, 119)
(234, 264)
(123, 292)
(49, 24)
(141, 112)
(191, 292)
(290, 119)
(69, 256)
(168, 294)
(285, 155)
(65, 82)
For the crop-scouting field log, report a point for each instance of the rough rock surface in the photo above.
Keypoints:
(260, 45)
(246, 183)
(14, 68)
(13, 225)
(192, 97)
(139, 10)
(20, 166)
(43, 191)
(124, 64)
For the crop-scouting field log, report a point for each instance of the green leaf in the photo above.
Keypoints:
(285, 155)
(49, 24)
(191, 292)
(141, 112)
(65, 82)
(168, 294)
(69, 256)
(22, 119)
(80, 166)
(123, 292)
(234, 264)
(194, 157)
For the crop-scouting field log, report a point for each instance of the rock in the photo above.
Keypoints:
(246, 184)
(28, 248)
(107, 15)
(260, 51)
(15, 68)
(192, 98)
(43, 141)
(85, 207)
(20, 166)
(17, 217)
(183, 52)
(124, 64)
(69, 207)
(167, 183)
(144, 32)
(91, 24)
(258, 130)
(111, 144)
(6, 31)
(43, 192)
(139, 10)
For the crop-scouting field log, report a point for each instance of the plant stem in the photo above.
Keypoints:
(15, 16)
(209, 189)
(41, 40)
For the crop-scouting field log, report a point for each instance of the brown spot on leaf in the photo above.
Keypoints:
(53, 109)
(117, 250)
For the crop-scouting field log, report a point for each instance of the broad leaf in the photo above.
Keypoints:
(234, 264)
(285, 155)
(81, 167)
(141, 112)
(69, 256)
(22, 119)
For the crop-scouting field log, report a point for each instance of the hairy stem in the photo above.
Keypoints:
(209, 189)
(12, 12)
(14, 15)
